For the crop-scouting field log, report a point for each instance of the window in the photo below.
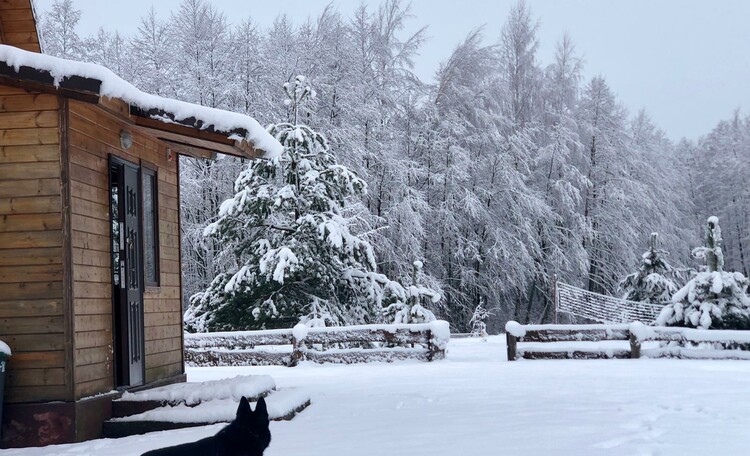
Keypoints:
(150, 227)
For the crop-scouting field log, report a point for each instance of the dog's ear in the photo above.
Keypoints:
(261, 410)
(244, 411)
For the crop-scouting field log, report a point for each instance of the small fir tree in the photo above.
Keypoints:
(654, 280)
(295, 256)
(479, 321)
(404, 304)
(714, 298)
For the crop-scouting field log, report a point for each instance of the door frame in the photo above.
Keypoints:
(121, 330)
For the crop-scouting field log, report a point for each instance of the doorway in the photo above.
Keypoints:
(127, 272)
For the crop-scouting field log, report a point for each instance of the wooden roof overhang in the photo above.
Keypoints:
(18, 25)
(185, 136)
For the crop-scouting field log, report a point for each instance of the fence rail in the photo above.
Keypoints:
(672, 342)
(290, 346)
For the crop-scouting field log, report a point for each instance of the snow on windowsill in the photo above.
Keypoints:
(112, 86)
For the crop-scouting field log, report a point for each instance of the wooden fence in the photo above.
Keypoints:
(288, 347)
(600, 342)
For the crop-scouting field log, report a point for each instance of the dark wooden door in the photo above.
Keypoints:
(128, 275)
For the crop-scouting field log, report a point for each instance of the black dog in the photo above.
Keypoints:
(247, 435)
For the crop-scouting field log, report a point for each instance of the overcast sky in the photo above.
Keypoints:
(686, 61)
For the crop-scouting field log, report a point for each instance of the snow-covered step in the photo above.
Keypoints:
(193, 393)
(283, 404)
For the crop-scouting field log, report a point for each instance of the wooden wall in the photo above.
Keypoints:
(66, 355)
(31, 247)
(17, 25)
(93, 134)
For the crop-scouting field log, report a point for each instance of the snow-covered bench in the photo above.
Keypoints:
(623, 341)
(290, 346)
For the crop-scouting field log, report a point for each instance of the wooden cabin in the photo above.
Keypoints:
(90, 283)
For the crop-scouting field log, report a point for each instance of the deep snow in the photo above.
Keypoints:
(476, 403)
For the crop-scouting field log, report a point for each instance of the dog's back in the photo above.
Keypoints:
(203, 447)
(247, 435)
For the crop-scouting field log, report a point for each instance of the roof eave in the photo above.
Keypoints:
(190, 132)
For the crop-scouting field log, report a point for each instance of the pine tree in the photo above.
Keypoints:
(295, 256)
(653, 282)
(714, 298)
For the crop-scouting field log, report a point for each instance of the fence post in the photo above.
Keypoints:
(554, 297)
(511, 340)
(297, 352)
(433, 351)
(635, 346)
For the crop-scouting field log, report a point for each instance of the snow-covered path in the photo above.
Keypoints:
(476, 403)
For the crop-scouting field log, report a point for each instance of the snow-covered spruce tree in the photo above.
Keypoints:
(404, 304)
(294, 254)
(653, 282)
(714, 298)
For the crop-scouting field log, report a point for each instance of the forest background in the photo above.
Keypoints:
(502, 174)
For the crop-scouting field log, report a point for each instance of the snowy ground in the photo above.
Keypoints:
(476, 403)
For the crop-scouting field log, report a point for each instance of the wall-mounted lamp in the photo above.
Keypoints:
(126, 139)
(169, 154)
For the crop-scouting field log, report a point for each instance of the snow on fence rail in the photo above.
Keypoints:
(290, 346)
(606, 341)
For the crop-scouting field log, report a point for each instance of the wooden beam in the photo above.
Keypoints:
(67, 249)
(190, 151)
(195, 129)
(192, 142)
(32, 79)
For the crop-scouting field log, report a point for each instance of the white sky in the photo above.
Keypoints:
(686, 61)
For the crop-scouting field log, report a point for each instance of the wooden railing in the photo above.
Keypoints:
(290, 346)
(600, 342)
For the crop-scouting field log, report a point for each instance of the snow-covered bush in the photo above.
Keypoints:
(654, 280)
(714, 298)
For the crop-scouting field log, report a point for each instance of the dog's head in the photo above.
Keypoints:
(248, 434)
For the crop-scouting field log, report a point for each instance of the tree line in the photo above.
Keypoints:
(503, 174)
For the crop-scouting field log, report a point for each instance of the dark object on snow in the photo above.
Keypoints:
(247, 435)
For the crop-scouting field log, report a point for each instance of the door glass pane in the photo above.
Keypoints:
(115, 221)
(150, 227)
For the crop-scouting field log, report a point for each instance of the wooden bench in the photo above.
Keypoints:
(290, 346)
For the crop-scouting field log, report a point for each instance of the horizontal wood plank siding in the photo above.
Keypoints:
(94, 134)
(18, 26)
(32, 319)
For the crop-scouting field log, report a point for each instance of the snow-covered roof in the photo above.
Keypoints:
(234, 125)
